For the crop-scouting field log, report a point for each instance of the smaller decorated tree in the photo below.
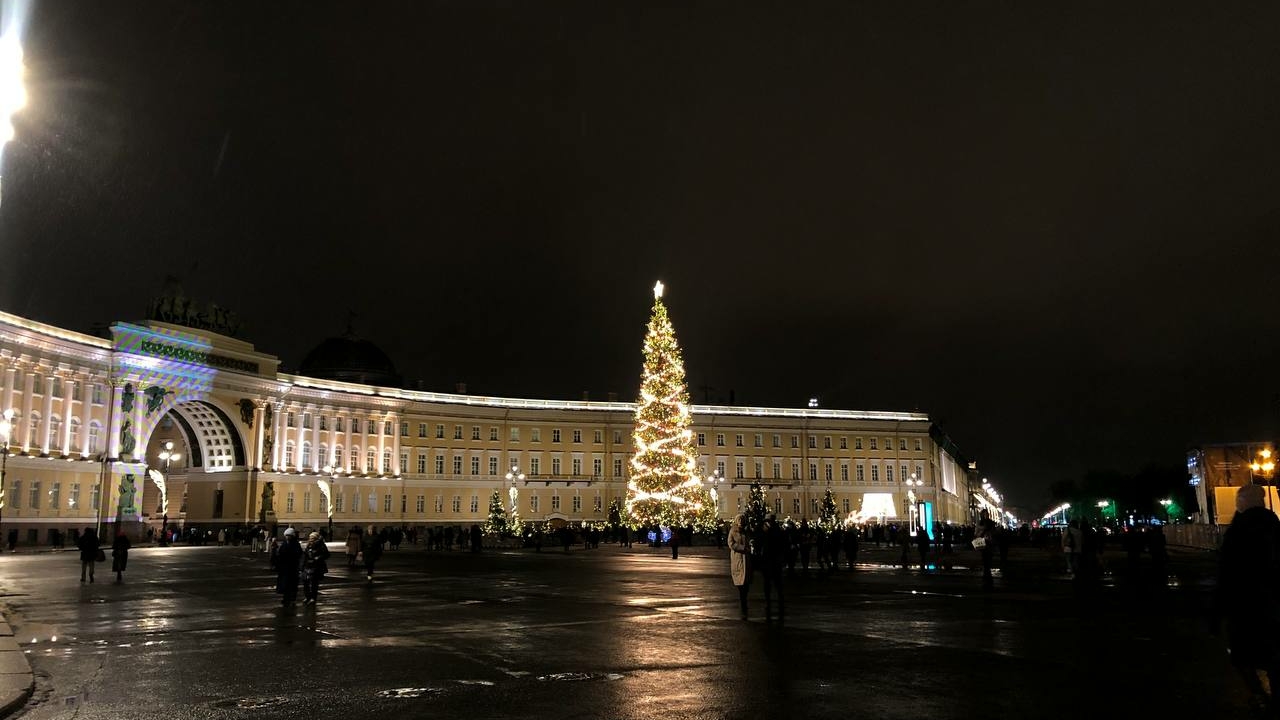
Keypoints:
(497, 524)
(827, 512)
(757, 508)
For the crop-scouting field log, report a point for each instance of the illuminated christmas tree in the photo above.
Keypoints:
(757, 508)
(496, 525)
(665, 488)
(827, 511)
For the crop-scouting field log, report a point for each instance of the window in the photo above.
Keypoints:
(15, 494)
(777, 505)
(920, 473)
(306, 420)
(306, 455)
(533, 503)
(759, 469)
(386, 461)
(795, 506)
(597, 437)
(873, 443)
(597, 467)
(33, 495)
(97, 394)
(373, 503)
(475, 465)
(404, 462)
(493, 433)
(720, 467)
(827, 472)
(702, 438)
(515, 434)
(535, 435)
(737, 440)
(826, 443)
(759, 440)
(74, 499)
(370, 460)
(857, 443)
(337, 457)
(322, 455)
(386, 503)
(617, 437)
(422, 464)
(795, 441)
(738, 468)
(902, 443)
(888, 473)
(288, 454)
(844, 443)
(55, 496)
(493, 465)
(902, 470)
(813, 471)
(337, 425)
(422, 431)
(813, 505)
(617, 467)
(475, 503)
(875, 473)
(404, 503)
(845, 504)
(795, 471)
(32, 427)
(306, 501)
(844, 473)
(440, 432)
(457, 464)
(355, 502)
(577, 436)
(95, 497)
(439, 464)
(555, 503)
(888, 443)
(555, 466)
(404, 429)
(813, 442)
(288, 420)
(577, 504)
(576, 464)
(457, 432)
(719, 439)
(457, 503)
(475, 432)
(597, 504)
(371, 427)
(355, 459)
(421, 505)
(919, 445)
(777, 441)
(439, 504)
(555, 435)
(535, 466)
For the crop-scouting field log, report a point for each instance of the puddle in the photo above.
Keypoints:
(576, 676)
(253, 703)
(475, 682)
(409, 692)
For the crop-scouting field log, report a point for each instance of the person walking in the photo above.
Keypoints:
(1248, 595)
(773, 559)
(675, 543)
(740, 560)
(353, 546)
(88, 545)
(985, 541)
(120, 554)
(314, 566)
(372, 551)
(288, 558)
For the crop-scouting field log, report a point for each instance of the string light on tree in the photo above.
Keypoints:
(664, 488)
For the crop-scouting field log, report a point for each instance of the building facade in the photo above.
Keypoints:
(91, 417)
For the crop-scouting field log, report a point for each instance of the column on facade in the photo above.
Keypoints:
(315, 441)
(113, 418)
(259, 435)
(46, 420)
(68, 391)
(333, 440)
(382, 441)
(351, 421)
(28, 391)
(277, 448)
(10, 377)
(395, 446)
(139, 415)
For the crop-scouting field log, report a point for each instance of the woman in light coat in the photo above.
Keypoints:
(740, 560)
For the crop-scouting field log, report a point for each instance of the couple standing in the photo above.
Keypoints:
(769, 553)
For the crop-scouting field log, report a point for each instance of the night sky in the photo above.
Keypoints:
(1054, 230)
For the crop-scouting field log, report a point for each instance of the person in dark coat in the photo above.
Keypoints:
(315, 558)
(773, 558)
(1248, 594)
(675, 543)
(476, 537)
(987, 531)
(120, 554)
(288, 559)
(88, 545)
(371, 551)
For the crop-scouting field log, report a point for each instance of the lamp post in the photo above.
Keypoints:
(514, 495)
(326, 489)
(911, 500)
(1166, 503)
(6, 429)
(167, 456)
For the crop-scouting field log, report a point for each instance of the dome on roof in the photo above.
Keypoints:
(350, 359)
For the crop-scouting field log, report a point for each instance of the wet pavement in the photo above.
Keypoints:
(607, 633)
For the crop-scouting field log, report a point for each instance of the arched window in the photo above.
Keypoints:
(337, 456)
(33, 426)
(386, 461)
(75, 432)
(306, 456)
(95, 432)
(324, 455)
(288, 455)
(55, 431)
(355, 458)
(371, 460)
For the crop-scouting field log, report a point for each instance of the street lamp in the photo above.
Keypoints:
(326, 489)
(514, 494)
(167, 455)
(1166, 503)
(6, 429)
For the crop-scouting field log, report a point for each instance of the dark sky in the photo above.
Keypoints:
(1055, 230)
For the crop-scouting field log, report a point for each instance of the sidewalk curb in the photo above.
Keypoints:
(16, 679)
